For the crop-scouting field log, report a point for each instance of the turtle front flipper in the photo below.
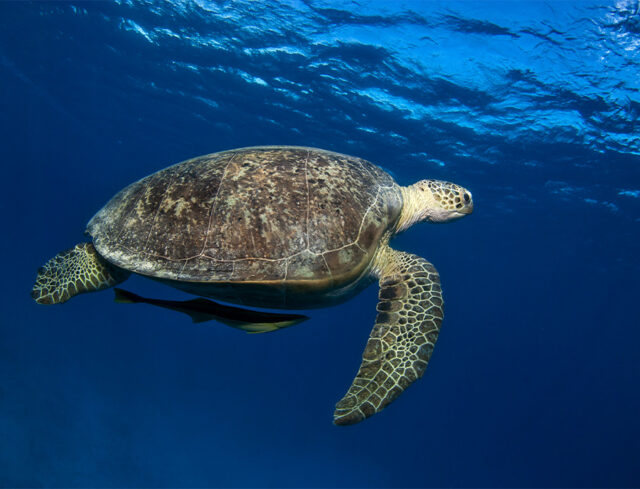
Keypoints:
(71, 272)
(410, 312)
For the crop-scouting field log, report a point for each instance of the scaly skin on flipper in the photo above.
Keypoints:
(410, 312)
(71, 272)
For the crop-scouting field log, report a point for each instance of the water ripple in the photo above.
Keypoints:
(551, 88)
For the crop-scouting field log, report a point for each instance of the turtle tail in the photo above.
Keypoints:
(71, 272)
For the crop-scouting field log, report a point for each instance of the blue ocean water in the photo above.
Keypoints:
(533, 106)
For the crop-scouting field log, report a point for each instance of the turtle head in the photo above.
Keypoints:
(434, 201)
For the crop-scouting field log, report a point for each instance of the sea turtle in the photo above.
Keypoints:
(281, 227)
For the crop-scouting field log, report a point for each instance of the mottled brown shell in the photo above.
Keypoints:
(274, 215)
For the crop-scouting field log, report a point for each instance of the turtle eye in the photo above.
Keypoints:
(467, 199)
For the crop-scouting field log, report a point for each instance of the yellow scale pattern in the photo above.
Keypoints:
(410, 313)
(72, 272)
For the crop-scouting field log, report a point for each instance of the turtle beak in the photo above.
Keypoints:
(467, 209)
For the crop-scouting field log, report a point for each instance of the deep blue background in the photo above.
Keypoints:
(532, 106)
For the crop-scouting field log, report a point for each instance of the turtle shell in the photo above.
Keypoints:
(273, 215)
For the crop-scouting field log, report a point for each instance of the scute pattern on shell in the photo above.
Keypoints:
(262, 214)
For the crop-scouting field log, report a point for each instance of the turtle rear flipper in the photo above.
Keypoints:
(71, 272)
